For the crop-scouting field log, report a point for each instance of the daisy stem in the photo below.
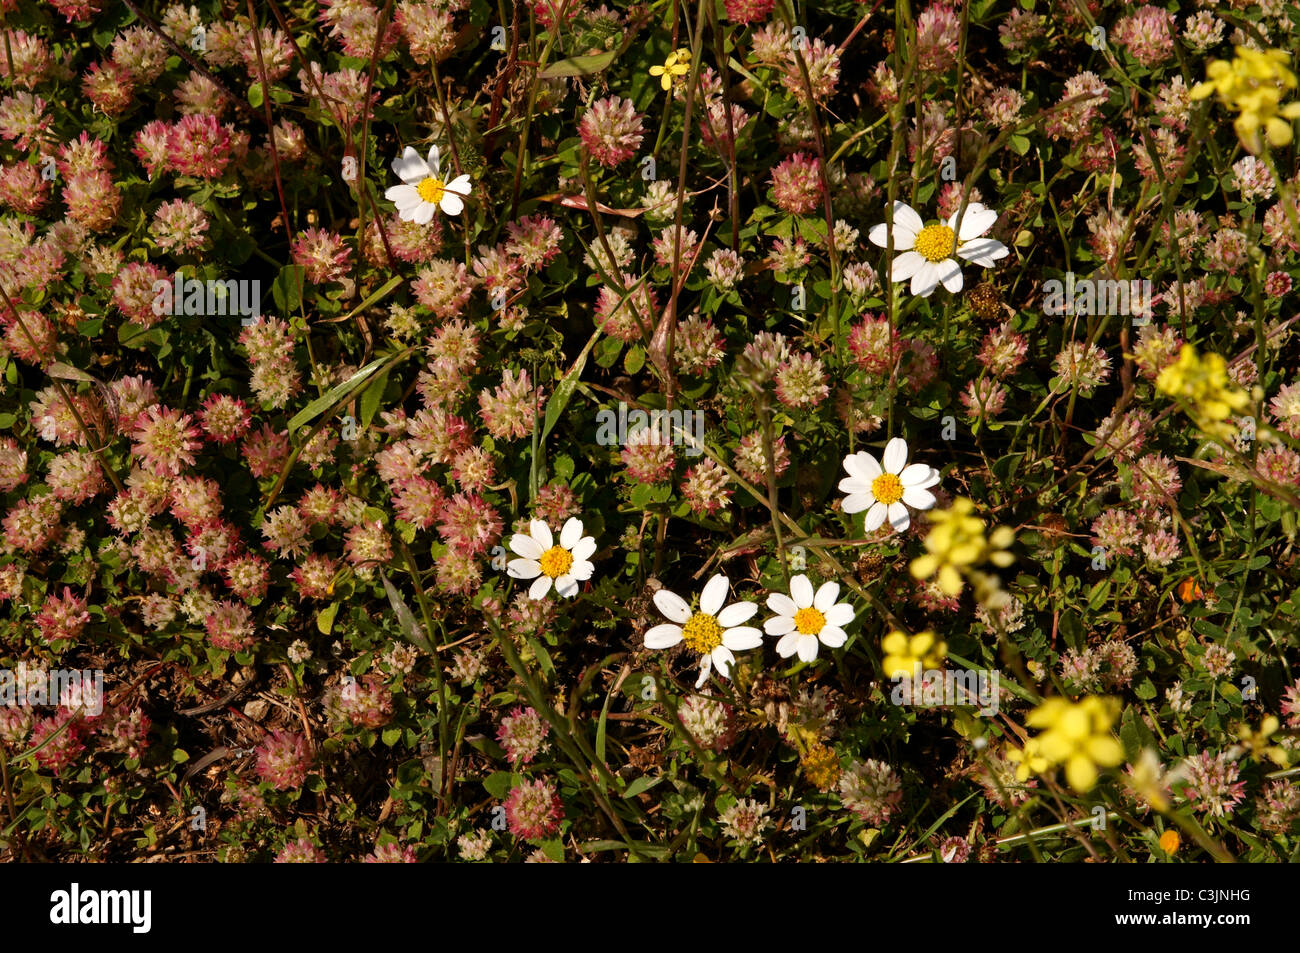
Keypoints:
(587, 773)
(422, 601)
(769, 458)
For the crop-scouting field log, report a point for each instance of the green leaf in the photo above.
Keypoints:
(634, 360)
(410, 629)
(579, 65)
(325, 620)
(564, 392)
(69, 373)
(336, 394)
(607, 351)
(286, 290)
(498, 784)
(255, 97)
(643, 783)
(562, 466)
(371, 399)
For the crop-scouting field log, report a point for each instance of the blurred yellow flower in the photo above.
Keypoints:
(903, 653)
(677, 64)
(1147, 779)
(1256, 742)
(957, 544)
(1077, 735)
(1253, 85)
(1170, 841)
(1028, 760)
(1202, 382)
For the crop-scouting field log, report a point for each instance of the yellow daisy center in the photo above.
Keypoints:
(431, 189)
(935, 242)
(556, 561)
(809, 621)
(887, 488)
(701, 633)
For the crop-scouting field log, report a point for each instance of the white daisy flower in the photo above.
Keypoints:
(927, 250)
(423, 190)
(805, 619)
(887, 490)
(541, 559)
(712, 632)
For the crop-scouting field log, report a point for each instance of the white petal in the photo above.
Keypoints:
(906, 216)
(917, 498)
(663, 636)
(705, 664)
(408, 214)
(974, 223)
(950, 275)
(407, 203)
(852, 484)
(581, 570)
(932, 480)
(542, 533)
(833, 636)
(875, 517)
(898, 517)
(460, 186)
(862, 465)
(540, 587)
(906, 265)
(451, 203)
(584, 548)
(801, 591)
(737, 613)
(523, 568)
(904, 237)
(741, 638)
(714, 594)
(857, 502)
(779, 625)
(983, 251)
(723, 660)
(914, 474)
(526, 546)
(925, 280)
(423, 213)
(435, 159)
(672, 605)
(839, 614)
(788, 644)
(807, 648)
(895, 456)
(826, 596)
(410, 168)
(782, 604)
(566, 586)
(402, 195)
(571, 533)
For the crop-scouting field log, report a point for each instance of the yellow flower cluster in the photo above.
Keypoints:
(677, 65)
(1076, 735)
(903, 653)
(1253, 85)
(958, 544)
(1256, 742)
(1203, 383)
